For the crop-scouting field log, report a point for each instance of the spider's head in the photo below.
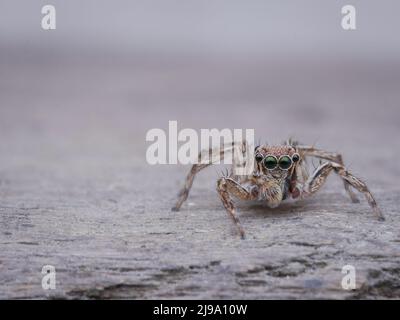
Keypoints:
(275, 164)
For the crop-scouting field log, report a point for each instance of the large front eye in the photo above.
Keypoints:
(270, 162)
(285, 162)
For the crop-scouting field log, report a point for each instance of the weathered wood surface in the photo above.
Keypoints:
(76, 192)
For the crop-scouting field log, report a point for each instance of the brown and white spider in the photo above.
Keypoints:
(278, 173)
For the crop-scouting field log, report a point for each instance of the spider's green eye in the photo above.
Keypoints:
(270, 162)
(285, 162)
(259, 157)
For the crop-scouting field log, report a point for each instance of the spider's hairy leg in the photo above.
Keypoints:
(330, 156)
(227, 187)
(320, 175)
(211, 156)
(184, 193)
(240, 160)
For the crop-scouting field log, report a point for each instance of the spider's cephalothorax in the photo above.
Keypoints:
(278, 173)
(274, 173)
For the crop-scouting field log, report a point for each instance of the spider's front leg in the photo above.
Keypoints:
(205, 159)
(319, 176)
(227, 187)
(330, 156)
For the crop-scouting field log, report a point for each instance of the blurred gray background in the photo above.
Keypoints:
(205, 27)
(75, 106)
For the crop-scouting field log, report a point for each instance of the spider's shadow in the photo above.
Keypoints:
(257, 209)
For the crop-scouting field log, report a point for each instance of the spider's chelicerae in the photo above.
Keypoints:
(278, 173)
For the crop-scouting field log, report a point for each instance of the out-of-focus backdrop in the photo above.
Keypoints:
(76, 103)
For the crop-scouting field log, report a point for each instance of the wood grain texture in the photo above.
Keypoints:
(77, 193)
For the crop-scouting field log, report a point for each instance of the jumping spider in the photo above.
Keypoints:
(279, 172)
